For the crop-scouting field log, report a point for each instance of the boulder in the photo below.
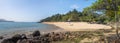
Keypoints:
(14, 39)
(8, 41)
(36, 33)
(1, 37)
(23, 41)
(23, 36)
(116, 41)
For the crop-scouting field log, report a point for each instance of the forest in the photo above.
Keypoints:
(101, 11)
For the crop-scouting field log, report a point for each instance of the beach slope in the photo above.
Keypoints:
(78, 26)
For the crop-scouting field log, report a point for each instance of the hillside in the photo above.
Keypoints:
(2, 20)
(76, 16)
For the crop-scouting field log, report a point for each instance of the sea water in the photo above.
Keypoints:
(8, 27)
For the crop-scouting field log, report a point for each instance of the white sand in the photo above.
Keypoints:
(78, 26)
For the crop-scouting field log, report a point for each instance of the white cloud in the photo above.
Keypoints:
(74, 6)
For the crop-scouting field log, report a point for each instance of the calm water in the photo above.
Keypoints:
(7, 27)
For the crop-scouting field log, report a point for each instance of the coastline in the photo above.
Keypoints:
(61, 27)
(10, 33)
(64, 33)
(79, 26)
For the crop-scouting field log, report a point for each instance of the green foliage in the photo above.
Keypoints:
(108, 7)
(73, 16)
(91, 13)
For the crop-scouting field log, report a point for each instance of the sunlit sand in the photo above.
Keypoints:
(78, 26)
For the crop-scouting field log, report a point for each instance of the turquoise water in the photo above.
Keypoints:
(6, 27)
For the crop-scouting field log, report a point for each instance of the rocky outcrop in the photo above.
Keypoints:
(37, 37)
(14, 39)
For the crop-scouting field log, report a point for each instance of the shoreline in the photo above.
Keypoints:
(59, 27)
(79, 26)
(27, 32)
(64, 34)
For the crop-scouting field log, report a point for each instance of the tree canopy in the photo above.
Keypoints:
(100, 11)
(107, 7)
(73, 16)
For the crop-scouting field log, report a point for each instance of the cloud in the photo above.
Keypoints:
(74, 6)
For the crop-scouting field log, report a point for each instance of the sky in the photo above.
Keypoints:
(35, 10)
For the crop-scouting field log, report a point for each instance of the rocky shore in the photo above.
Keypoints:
(61, 37)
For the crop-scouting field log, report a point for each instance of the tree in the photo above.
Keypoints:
(74, 15)
(110, 7)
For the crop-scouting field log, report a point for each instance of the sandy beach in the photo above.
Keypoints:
(67, 32)
(78, 26)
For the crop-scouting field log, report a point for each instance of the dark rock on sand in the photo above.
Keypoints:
(36, 33)
(8, 41)
(1, 37)
(23, 41)
(14, 39)
(23, 36)
(45, 38)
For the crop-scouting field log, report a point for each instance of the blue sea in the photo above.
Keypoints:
(8, 27)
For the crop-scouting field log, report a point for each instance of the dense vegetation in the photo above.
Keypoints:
(110, 9)
(73, 15)
(101, 11)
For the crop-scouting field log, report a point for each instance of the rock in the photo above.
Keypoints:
(14, 39)
(116, 41)
(7, 41)
(45, 40)
(36, 33)
(23, 36)
(1, 37)
(47, 35)
(36, 37)
(36, 41)
(23, 41)
(17, 36)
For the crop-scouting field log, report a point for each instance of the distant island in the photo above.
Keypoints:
(3, 20)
